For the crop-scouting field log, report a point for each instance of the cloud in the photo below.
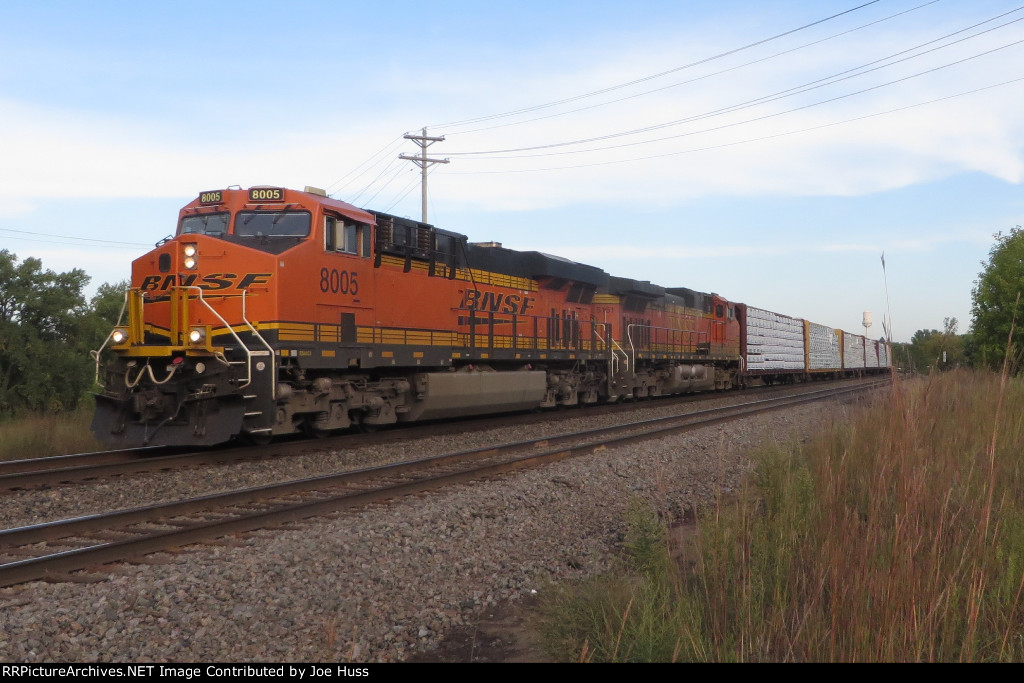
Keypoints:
(74, 152)
(65, 153)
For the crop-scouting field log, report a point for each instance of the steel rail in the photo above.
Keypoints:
(414, 476)
(67, 469)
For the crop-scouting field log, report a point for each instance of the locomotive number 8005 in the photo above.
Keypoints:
(339, 281)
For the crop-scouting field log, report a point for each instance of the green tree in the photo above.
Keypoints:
(45, 331)
(996, 301)
(105, 310)
(924, 350)
(109, 300)
(951, 345)
(931, 349)
(901, 356)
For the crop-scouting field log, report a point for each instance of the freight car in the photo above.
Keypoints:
(273, 311)
(778, 348)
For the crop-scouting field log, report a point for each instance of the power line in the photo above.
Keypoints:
(383, 187)
(749, 140)
(383, 153)
(806, 87)
(407, 190)
(69, 237)
(391, 164)
(701, 78)
(653, 76)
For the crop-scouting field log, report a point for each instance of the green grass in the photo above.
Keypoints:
(897, 535)
(36, 436)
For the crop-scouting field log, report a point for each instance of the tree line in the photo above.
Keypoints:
(47, 329)
(996, 336)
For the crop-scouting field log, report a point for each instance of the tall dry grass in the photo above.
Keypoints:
(898, 535)
(35, 436)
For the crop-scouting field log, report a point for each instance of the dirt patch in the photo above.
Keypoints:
(501, 634)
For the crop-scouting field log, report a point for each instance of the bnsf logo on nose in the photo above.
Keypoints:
(211, 282)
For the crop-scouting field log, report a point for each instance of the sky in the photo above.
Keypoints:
(768, 150)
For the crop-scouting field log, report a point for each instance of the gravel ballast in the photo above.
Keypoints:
(376, 584)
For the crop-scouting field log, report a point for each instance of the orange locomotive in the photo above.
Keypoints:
(273, 311)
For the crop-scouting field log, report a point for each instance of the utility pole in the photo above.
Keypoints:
(423, 161)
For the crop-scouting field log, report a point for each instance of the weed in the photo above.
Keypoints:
(34, 436)
(896, 535)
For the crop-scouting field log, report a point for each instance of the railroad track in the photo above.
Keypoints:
(52, 550)
(63, 470)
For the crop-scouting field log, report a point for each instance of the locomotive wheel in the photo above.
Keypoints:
(359, 423)
(367, 428)
(259, 439)
(309, 428)
(315, 432)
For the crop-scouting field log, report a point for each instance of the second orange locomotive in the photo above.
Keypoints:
(273, 311)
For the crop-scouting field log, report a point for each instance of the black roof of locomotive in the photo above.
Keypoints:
(532, 264)
(493, 257)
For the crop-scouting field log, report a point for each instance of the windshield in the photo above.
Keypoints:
(272, 224)
(215, 224)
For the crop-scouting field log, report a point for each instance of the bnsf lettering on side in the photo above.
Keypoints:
(211, 282)
(496, 302)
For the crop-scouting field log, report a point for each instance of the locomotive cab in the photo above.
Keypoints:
(197, 350)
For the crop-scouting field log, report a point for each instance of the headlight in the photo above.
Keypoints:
(190, 253)
(197, 335)
(119, 335)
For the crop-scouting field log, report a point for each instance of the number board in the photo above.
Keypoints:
(212, 197)
(266, 194)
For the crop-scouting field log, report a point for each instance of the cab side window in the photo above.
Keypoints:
(346, 236)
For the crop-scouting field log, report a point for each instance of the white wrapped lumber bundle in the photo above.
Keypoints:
(774, 341)
(853, 351)
(883, 355)
(822, 348)
(871, 353)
